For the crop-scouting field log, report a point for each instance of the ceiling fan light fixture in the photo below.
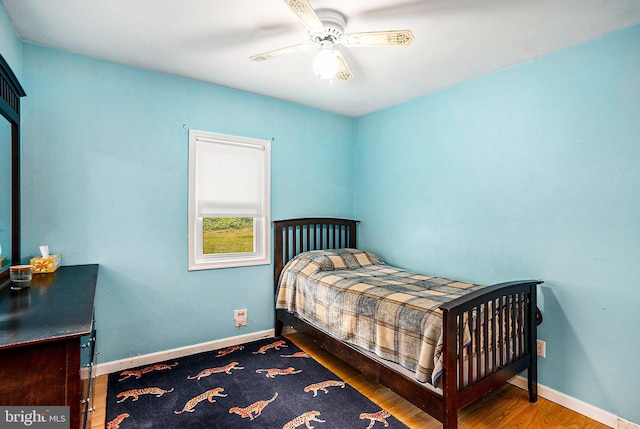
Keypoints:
(325, 64)
(326, 28)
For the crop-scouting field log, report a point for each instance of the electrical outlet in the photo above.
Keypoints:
(541, 347)
(240, 316)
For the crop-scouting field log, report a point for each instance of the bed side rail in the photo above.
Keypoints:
(498, 328)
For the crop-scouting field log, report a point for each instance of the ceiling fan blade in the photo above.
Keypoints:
(307, 15)
(282, 51)
(379, 38)
(344, 72)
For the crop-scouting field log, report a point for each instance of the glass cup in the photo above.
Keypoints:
(20, 276)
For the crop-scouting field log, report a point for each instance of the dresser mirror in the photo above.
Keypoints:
(10, 93)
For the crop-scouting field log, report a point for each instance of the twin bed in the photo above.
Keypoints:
(439, 343)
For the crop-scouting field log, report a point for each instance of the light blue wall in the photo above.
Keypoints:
(533, 172)
(105, 181)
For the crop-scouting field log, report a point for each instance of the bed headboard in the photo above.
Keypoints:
(294, 236)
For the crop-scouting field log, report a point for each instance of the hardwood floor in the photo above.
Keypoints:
(97, 417)
(507, 407)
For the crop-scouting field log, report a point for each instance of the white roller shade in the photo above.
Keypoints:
(229, 178)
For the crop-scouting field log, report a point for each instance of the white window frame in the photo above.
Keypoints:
(262, 222)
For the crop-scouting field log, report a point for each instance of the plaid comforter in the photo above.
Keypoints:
(355, 297)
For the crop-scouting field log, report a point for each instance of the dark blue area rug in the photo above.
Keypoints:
(264, 384)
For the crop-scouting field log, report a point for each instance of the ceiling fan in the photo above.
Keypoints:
(326, 30)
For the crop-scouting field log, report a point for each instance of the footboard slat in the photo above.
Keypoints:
(461, 370)
(500, 347)
(513, 333)
(479, 346)
(485, 334)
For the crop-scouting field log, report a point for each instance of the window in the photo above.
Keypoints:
(229, 193)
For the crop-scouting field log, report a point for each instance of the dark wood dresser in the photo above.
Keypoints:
(41, 338)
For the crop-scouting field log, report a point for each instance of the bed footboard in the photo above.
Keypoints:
(498, 328)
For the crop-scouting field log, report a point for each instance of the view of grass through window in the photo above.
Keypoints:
(227, 235)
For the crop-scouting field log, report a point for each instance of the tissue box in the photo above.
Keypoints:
(46, 265)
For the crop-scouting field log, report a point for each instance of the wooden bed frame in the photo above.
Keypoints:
(515, 307)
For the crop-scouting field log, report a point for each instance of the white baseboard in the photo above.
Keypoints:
(133, 362)
(626, 424)
(595, 413)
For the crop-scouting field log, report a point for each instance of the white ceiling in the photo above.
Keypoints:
(211, 41)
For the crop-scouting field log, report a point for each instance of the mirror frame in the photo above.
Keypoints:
(10, 93)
